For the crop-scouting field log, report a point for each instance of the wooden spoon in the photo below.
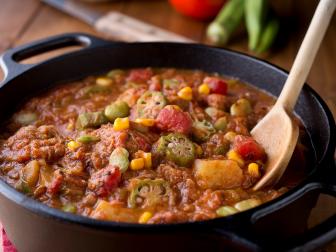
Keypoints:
(277, 132)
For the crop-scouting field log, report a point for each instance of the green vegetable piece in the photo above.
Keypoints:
(115, 73)
(87, 139)
(117, 109)
(150, 104)
(255, 13)
(119, 158)
(269, 35)
(148, 193)
(202, 130)
(177, 148)
(241, 107)
(226, 211)
(69, 208)
(221, 123)
(170, 84)
(90, 120)
(94, 89)
(228, 19)
(247, 204)
(26, 118)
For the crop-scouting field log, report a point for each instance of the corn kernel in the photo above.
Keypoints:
(233, 155)
(103, 81)
(144, 218)
(145, 121)
(204, 89)
(253, 170)
(137, 163)
(121, 123)
(185, 93)
(147, 156)
(230, 136)
(70, 126)
(73, 145)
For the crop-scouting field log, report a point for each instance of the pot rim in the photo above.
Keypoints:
(41, 209)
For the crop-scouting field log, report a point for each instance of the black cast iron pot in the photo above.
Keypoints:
(275, 226)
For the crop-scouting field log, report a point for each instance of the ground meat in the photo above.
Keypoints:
(74, 186)
(182, 178)
(168, 217)
(218, 101)
(216, 145)
(239, 125)
(130, 96)
(31, 142)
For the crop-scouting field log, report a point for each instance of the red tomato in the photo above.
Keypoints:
(216, 85)
(199, 9)
(140, 75)
(105, 180)
(248, 148)
(174, 120)
(56, 183)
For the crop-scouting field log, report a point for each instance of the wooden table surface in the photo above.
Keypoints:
(22, 21)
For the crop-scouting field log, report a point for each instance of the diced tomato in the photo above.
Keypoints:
(174, 119)
(140, 75)
(56, 183)
(216, 85)
(248, 148)
(105, 180)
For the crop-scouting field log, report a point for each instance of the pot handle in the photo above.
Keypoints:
(9, 61)
(312, 239)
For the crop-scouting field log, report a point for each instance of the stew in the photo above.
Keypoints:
(143, 145)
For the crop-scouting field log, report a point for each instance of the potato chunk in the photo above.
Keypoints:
(107, 211)
(217, 174)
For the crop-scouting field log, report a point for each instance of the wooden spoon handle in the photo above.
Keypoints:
(306, 54)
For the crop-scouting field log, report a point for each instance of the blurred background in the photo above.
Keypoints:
(283, 24)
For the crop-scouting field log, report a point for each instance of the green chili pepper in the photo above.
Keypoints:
(119, 158)
(117, 109)
(87, 139)
(202, 130)
(228, 19)
(150, 104)
(177, 148)
(255, 13)
(268, 35)
(148, 193)
(90, 119)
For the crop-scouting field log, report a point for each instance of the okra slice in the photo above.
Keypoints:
(150, 104)
(148, 193)
(117, 109)
(202, 130)
(90, 119)
(177, 148)
(119, 158)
